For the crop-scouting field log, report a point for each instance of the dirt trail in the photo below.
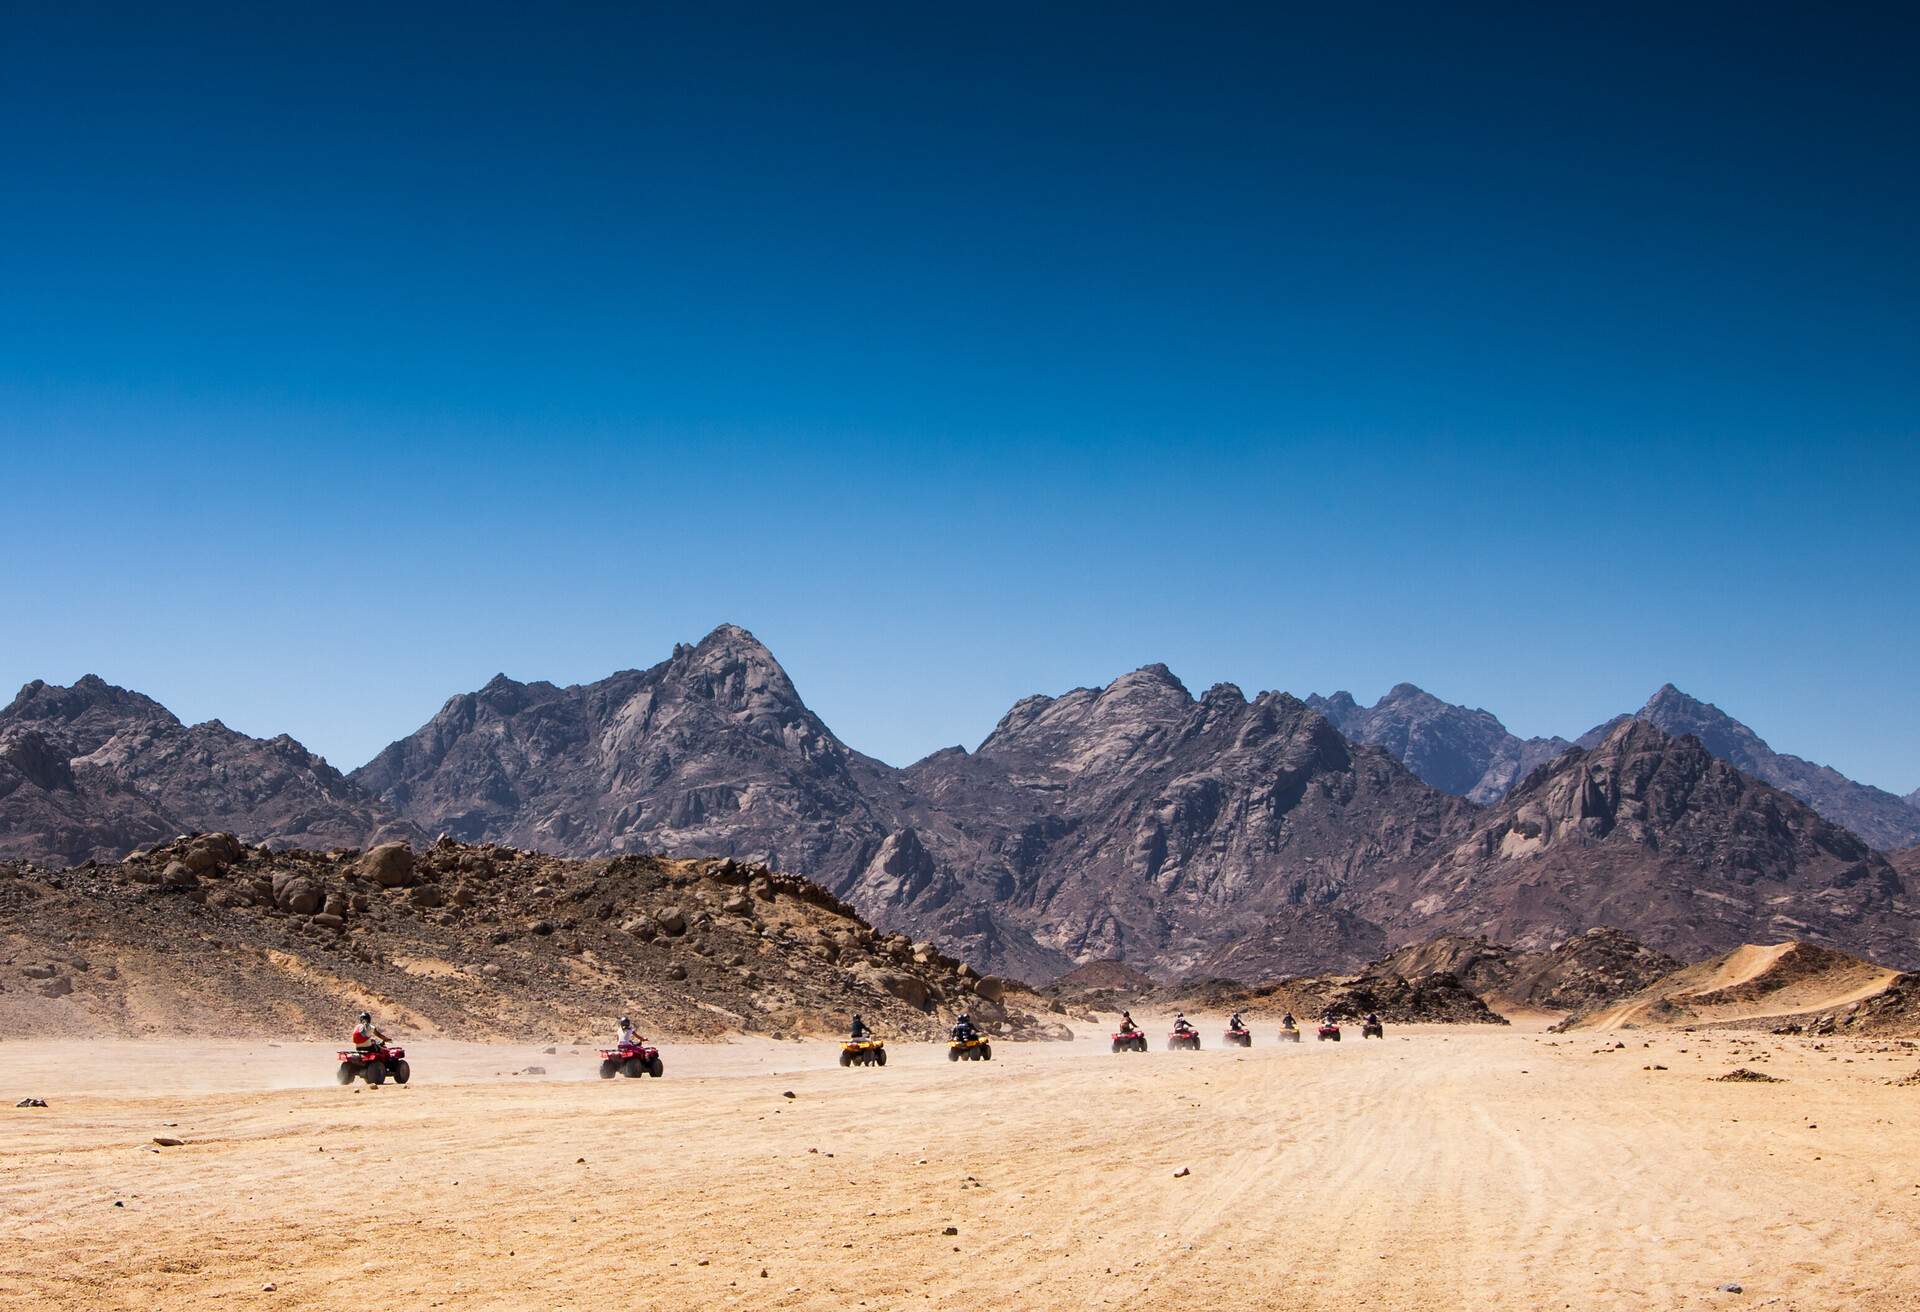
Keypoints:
(1439, 1169)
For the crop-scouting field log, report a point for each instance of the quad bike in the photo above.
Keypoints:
(1373, 1030)
(632, 1060)
(374, 1065)
(863, 1052)
(1241, 1038)
(1330, 1031)
(1189, 1039)
(1129, 1041)
(974, 1049)
(1290, 1034)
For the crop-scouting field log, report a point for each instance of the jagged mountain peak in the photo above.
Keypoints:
(1882, 819)
(89, 697)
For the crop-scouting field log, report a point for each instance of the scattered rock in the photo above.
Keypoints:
(1746, 1076)
(31, 1102)
(389, 865)
(1182, 1173)
(166, 1141)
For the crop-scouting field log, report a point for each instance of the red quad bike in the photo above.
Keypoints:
(1330, 1032)
(374, 1065)
(1373, 1031)
(1129, 1041)
(1188, 1039)
(1239, 1038)
(632, 1060)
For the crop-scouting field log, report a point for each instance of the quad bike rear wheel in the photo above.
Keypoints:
(634, 1068)
(953, 1054)
(374, 1072)
(656, 1067)
(986, 1052)
(846, 1058)
(402, 1072)
(345, 1074)
(609, 1068)
(879, 1056)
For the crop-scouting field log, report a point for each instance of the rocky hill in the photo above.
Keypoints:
(1653, 835)
(1576, 974)
(1885, 821)
(1436, 999)
(92, 771)
(1458, 750)
(210, 936)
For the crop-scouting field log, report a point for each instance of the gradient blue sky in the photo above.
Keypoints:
(1536, 357)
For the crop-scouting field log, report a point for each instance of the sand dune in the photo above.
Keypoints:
(1753, 982)
(1440, 1169)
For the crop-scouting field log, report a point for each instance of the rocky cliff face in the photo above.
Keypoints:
(1458, 750)
(1655, 835)
(93, 771)
(1885, 821)
(1137, 821)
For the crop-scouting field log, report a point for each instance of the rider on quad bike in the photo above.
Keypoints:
(1237, 1025)
(366, 1035)
(1180, 1025)
(1373, 1018)
(1287, 1022)
(1126, 1022)
(963, 1030)
(859, 1029)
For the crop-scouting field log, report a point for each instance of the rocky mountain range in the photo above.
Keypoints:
(93, 771)
(1469, 753)
(1218, 834)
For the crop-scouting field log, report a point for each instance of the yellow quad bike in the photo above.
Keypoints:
(974, 1049)
(864, 1052)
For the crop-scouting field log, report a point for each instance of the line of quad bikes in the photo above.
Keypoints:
(386, 1062)
(1189, 1038)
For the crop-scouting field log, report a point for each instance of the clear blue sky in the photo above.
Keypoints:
(352, 355)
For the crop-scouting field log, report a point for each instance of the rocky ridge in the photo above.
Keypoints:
(92, 771)
(1884, 821)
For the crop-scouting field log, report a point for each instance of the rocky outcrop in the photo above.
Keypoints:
(1584, 971)
(93, 771)
(1458, 750)
(1653, 835)
(479, 941)
(1885, 821)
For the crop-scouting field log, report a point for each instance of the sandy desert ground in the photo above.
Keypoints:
(1444, 1168)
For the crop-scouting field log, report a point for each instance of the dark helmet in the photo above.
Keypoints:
(856, 1015)
(366, 1017)
(964, 1019)
(626, 1022)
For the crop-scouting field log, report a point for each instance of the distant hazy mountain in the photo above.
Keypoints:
(1458, 750)
(1884, 820)
(92, 771)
